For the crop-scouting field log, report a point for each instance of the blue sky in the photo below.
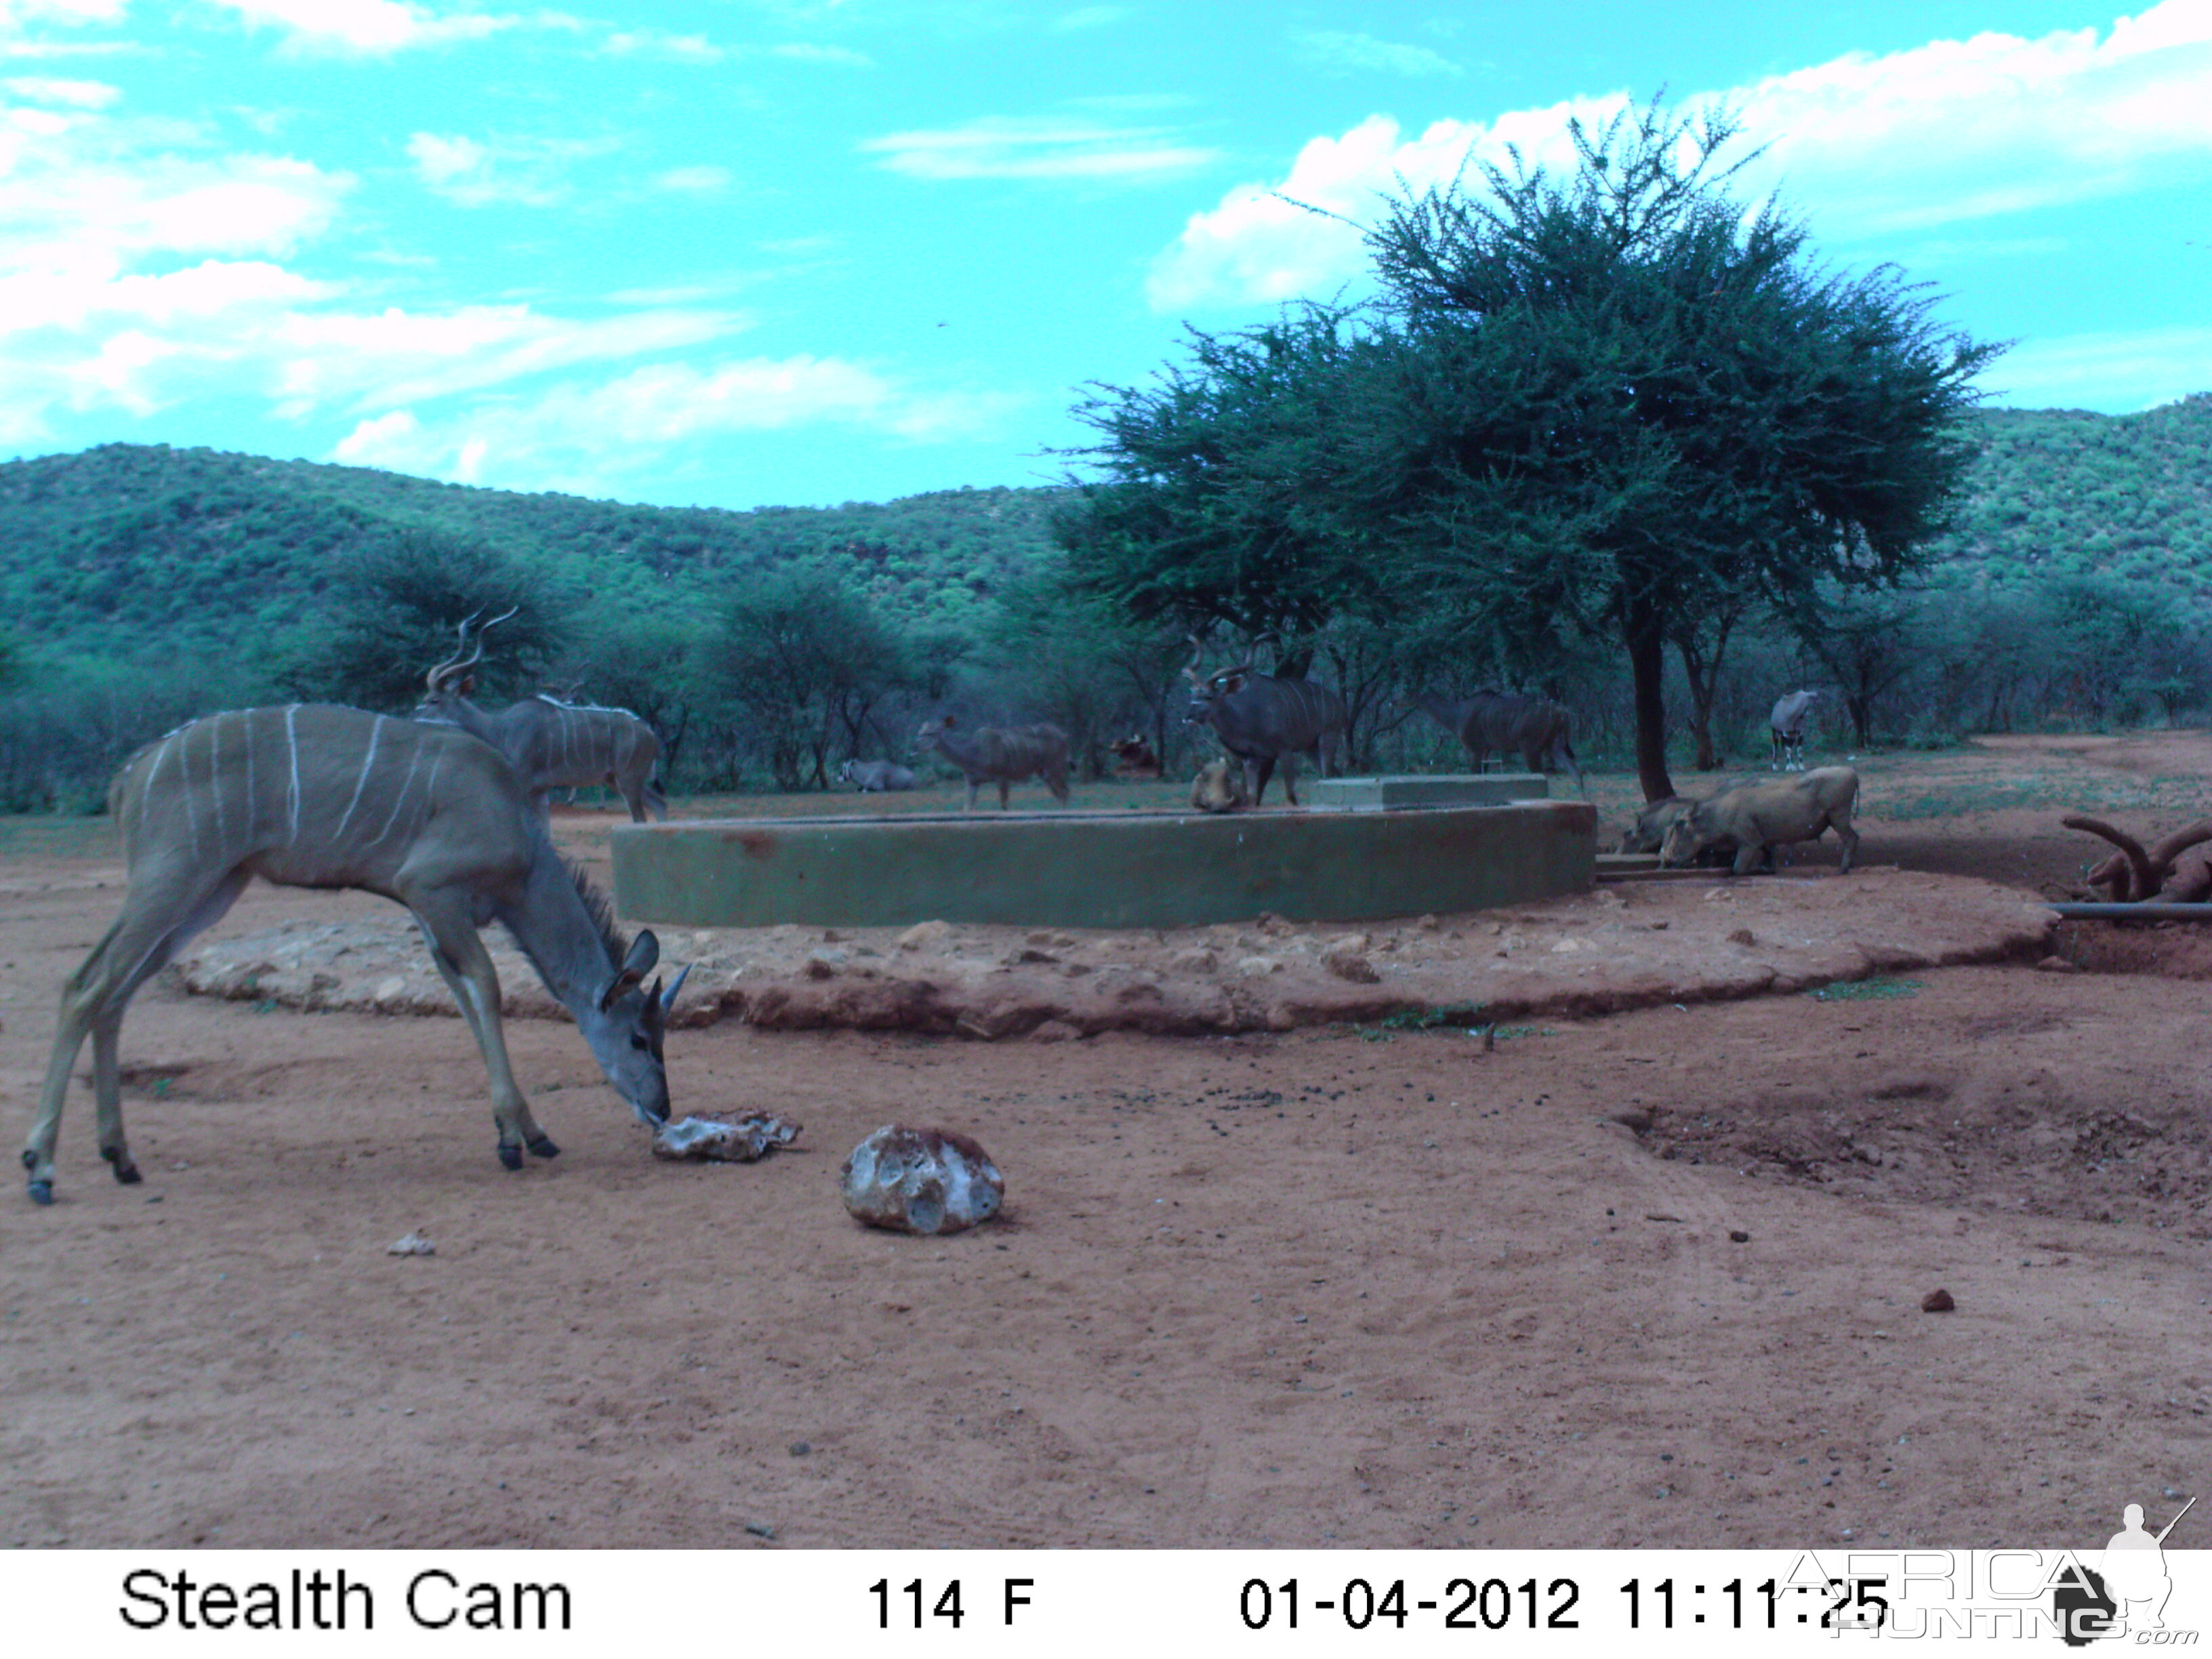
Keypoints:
(744, 252)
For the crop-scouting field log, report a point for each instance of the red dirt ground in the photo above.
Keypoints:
(1336, 1285)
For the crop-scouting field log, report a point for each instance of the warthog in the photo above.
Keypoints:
(1758, 817)
(988, 754)
(1134, 758)
(1786, 725)
(869, 777)
(1219, 788)
(1649, 832)
(1491, 722)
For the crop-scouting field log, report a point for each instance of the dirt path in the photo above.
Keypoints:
(1319, 1286)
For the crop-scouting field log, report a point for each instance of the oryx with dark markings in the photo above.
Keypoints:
(551, 744)
(1786, 724)
(313, 796)
(1261, 720)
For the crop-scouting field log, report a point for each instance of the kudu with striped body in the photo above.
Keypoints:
(988, 754)
(551, 744)
(1261, 720)
(1493, 722)
(315, 796)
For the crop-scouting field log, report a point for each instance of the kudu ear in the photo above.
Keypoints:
(644, 951)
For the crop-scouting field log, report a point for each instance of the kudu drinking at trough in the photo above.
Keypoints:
(1261, 720)
(988, 754)
(314, 796)
(550, 744)
(1509, 723)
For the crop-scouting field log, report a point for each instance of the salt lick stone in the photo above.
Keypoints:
(752, 1136)
(921, 1180)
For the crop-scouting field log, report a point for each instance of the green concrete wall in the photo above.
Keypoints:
(1101, 870)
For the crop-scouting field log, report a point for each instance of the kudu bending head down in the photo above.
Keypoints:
(1261, 720)
(309, 796)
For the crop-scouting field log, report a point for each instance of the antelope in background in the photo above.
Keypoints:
(315, 796)
(1786, 725)
(1493, 722)
(1261, 719)
(549, 743)
(988, 754)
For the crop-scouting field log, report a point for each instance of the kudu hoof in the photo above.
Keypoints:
(42, 1191)
(543, 1147)
(510, 1156)
(126, 1172)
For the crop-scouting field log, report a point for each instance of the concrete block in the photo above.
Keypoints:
(1060, 869)
(1384, 795)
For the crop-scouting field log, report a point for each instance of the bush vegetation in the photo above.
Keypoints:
(144, 585)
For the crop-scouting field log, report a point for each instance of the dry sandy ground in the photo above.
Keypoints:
(1651, 1277)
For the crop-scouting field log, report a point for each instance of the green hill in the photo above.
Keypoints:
(129, 551)
(2063, 492)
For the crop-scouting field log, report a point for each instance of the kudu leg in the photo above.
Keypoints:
(466, 966)
(158, 918)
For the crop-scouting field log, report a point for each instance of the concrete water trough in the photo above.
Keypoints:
(1097, 869)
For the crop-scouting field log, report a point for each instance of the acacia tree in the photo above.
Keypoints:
(803, 659)
(1229, 492)
(1618, 397)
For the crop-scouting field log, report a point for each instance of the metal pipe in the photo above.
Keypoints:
(2149, 910)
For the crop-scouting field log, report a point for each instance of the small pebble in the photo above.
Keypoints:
(1937, 1302)
(1737, 1235)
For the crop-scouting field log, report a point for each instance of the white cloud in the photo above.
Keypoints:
(585, 433)
(666, 47)
(18, 15)
(363, 28)
(1864, 146)
(703, 180)
(75, 94)
(2115, 372)
(140, 268)
(1258, 246)
(804, 52)
(995, 147)
(376, 361)
(515, 172)
(1343, 51)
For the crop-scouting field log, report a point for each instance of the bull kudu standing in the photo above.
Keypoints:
(551, 744)
(1261, 720)
(314, 796)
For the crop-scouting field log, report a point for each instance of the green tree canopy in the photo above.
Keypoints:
(1623, 399)
(1614, 404)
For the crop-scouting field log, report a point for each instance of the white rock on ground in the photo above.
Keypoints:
(921, 1180)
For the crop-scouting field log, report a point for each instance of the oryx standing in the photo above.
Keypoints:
(315, 796)
(1786, 725)
(551, 743)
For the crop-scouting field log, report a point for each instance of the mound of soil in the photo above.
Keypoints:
(1623, 947)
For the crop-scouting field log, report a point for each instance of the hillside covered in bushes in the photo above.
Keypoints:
(142, 586)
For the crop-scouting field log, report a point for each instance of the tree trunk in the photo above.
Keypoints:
(1646, 636)
(1704, 675)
